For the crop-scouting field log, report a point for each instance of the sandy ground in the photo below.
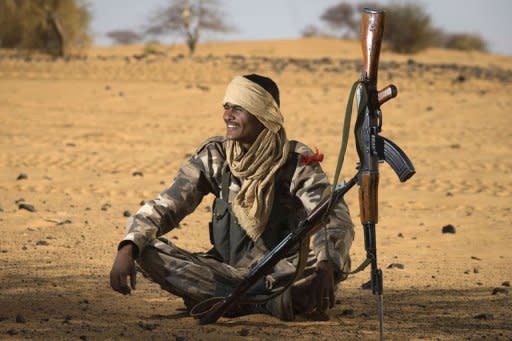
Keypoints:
(78, 129)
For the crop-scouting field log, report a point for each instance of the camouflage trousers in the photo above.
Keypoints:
(198, 276)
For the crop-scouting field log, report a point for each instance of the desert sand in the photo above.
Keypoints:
(85, 139)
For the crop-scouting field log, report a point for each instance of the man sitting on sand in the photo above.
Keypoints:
(263, 186)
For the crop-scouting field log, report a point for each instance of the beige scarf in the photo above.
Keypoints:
(256, 167)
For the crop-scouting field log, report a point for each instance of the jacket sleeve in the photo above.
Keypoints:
(332, 242)
(196, 178)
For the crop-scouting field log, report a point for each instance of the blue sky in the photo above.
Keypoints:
(278, 19)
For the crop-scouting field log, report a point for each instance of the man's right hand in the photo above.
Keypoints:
(123, 267)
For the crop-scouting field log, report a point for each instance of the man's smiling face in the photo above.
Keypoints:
(241, 125)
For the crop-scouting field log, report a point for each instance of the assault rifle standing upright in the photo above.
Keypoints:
(371, 149)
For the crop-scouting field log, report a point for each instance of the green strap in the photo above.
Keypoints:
(346, 127)
(341, 157)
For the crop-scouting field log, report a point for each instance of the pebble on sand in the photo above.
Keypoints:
(22, 176)
(498, 291)
(448, 229)
(396, 266)
(147, 326)
(28, 207)
(484, 316)
(20, 318)
(243, 332)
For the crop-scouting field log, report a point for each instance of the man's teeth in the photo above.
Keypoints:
(231, 125)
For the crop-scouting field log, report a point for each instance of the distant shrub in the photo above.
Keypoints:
(151, 48)
(408, 28)
(51, 26)
(124, 36)
(465, 42)
(312, 31)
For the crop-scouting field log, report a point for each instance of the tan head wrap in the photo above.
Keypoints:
(257, 166)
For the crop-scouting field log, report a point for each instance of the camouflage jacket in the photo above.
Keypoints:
(201, 175)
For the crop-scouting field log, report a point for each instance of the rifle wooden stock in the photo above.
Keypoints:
(372, 29)
(368, 197)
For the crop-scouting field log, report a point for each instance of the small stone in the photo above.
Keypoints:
(121, 94)
(83, 337)
(137, 173)
(67, 318)
(347, 312)
(476, 270)
(498, 291)
(180, 338)
(67, 221)
(107, 87)
(203, 87)
(42, 242)
(20, 318)
(24, 247)
(396, 266)
(400, 235)
(105, 207)
(127, 213)
(460, 79)
(142, 202)
(147, 326)
(243, 332)
(506, 284)
(455, 146)
(484, 316)
(28, 207)
(429, 108)
(22, 176)
(475, 258)
(12, 332)
(19, 200)
(448, 229)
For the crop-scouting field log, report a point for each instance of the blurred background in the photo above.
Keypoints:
(48, 24)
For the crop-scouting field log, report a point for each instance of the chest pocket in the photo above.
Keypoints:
(230, 242)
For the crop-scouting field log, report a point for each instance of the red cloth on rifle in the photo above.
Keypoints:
(307, 159)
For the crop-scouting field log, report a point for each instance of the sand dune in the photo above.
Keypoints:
(80, 128)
